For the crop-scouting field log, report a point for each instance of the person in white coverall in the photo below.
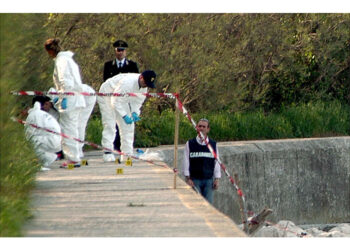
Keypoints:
(85, 115)
(46, 144)
(123, 110)
(67, 78)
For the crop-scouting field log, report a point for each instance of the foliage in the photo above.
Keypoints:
(298, 121)
(17, 168)
(18, 162)
(233, 62)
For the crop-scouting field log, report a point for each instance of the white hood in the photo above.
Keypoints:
(67, 79)
(65, 54)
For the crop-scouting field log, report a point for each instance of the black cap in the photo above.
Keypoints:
(150, 77)
(120, 44)
(42, 99)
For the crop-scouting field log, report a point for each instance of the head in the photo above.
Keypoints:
(52, 47)
(147, 79)
(120, 49)
(203, 126)
(45, 102)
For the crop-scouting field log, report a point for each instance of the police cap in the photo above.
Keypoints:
(120, 44)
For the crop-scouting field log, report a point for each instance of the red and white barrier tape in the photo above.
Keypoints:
(223, 167)
(167, 95)
(73, 93)
(185, 112)
(85, 142)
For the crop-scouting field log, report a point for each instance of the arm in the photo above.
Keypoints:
(132, 67)
(217, 171)
(64, 78)
(106, 71)
(136, 103)
(186, 165)
(136, 69)
(121, 103)
(217, 168)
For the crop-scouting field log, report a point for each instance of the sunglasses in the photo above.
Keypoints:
(120, 49)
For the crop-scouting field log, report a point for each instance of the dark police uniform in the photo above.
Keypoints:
(111, 69)
(202, 161)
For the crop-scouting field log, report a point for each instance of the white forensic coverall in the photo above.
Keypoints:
(46, 144)
(114, 108)
(85, 115)
(67, 78)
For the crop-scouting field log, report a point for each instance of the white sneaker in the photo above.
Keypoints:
(44, 169)
(108, 157)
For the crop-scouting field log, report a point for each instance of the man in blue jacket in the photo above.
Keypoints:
(201, 169)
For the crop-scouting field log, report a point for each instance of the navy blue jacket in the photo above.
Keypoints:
(111, 69)
(202, 161)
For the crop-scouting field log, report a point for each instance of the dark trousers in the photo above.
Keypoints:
(117, 139)
(205, 187)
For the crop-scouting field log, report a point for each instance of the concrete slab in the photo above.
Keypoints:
(94, 201)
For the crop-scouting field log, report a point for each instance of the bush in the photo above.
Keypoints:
(18, 168)
(318, 119)
(306, 120)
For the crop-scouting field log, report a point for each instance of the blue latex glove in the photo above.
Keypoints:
(64, 103)
(139, 151)
(127, 119)
(135, 117)
(55, 100)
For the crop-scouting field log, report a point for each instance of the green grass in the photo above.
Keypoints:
(306, 120)
(17, 169)
(318, 119)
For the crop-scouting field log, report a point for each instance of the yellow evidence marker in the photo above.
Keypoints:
(119, 171)
(128, 162)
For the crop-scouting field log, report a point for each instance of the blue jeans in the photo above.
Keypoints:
(205, 188)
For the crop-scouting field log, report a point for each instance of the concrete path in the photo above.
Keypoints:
(94, 201)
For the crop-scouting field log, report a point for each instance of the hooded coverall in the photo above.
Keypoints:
(67, 78)
(45, 143)
(113, 109)
(85, 115)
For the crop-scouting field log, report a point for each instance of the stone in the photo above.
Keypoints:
(332, 234)
(283, 228)
(314, 232)
(342, 228)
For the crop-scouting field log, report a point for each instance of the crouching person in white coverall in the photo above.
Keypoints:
(85, 115)
(125, 110)
(67, 78)
(46, 144)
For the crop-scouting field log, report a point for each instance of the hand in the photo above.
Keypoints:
(64, 103)
(189, 181)
(216, 184)
(135, 117)
(127, 119)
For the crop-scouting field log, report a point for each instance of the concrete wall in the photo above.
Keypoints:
(303, 180)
